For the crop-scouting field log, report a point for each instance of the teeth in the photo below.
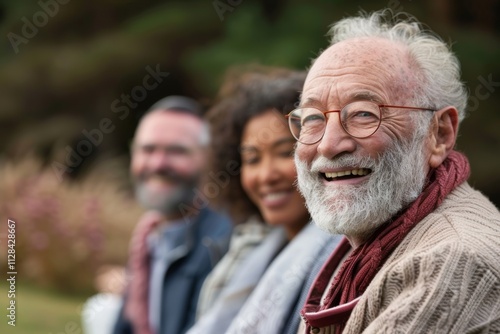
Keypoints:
(275, 196)
(360, 171)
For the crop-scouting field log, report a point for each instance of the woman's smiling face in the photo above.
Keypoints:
(268, 172)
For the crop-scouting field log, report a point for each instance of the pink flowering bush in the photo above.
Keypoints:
(65, 230)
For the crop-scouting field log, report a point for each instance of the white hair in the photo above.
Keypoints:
(439, 78)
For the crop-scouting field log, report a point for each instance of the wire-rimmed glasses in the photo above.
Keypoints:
(359, 119)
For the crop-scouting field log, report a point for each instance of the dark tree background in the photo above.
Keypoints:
(66, 66)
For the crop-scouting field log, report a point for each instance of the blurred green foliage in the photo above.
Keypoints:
(89, 54)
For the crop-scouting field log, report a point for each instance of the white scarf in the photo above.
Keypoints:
(240, 286)
(269, 305)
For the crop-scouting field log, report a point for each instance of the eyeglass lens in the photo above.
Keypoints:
(359, 119)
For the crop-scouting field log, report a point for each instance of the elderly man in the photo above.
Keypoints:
(177, 242)
(376, 127)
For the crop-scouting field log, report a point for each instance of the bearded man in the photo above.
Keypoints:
(376, 130)
(172, 249)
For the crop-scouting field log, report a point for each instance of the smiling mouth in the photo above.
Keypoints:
(346, 174)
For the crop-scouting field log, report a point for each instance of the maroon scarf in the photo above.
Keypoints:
(362, 265)
(136, 307)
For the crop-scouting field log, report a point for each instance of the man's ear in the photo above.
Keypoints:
(443, 135)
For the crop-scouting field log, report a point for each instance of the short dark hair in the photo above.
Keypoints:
(178, 103)
(183, 105)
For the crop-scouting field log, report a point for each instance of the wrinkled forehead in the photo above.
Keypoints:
(367, 51)
(377, 58)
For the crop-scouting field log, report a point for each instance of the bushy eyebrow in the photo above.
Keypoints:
(311, 102)
(366, 96)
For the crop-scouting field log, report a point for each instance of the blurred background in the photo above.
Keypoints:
(75, 76)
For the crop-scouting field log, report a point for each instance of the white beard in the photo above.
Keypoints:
(397, 178)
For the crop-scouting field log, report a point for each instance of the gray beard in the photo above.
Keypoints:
(166, 203)
(398, 177)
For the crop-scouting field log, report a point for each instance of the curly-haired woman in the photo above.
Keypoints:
(257, 285)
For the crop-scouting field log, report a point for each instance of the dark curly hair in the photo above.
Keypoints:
(245, 93)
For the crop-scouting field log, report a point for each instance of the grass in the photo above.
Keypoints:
(41, 311)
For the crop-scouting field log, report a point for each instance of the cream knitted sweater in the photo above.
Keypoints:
(443, 278)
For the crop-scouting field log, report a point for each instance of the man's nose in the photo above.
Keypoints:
(159, 160)
(335, 140)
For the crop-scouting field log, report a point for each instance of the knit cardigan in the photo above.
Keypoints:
(443, 278)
